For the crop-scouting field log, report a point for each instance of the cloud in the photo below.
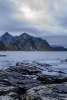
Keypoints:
(48, 15)
(38, 17)
(9, 20)
(60, 12)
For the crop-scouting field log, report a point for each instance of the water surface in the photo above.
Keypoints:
(12, 57)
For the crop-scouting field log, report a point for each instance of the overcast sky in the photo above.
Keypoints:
(36, 17)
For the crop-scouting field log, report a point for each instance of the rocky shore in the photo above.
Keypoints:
(25, 81)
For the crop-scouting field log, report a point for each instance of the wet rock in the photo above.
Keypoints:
(62, 88)
(9, 93)
(46, 92)
(18, 82)
(66, 60)
(51, 79)
(4, 89)
(44, 65)
(25, 70)
(6, 97)
(2, 55)
(61, 72)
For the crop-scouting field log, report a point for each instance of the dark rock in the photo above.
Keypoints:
(2, 46)
(9, 92)
(22, 77)
(66, 60)
(51, 79)
(48, 92)
(44, 65)
(5, 90)
(2, 55)
(62, 88)
(18, 82)
(25, 70)
(61, 72)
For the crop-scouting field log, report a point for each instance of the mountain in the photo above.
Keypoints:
(25, 42)
(59, 48)
(2, 46)
(6, 38)
(57, 40)
(30, 43)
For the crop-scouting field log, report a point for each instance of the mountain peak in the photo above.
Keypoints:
(6, 34)
(24, 35)
(6, 38)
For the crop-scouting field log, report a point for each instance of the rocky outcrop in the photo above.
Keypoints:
(14, 81)
(48, 92)
(25, 81)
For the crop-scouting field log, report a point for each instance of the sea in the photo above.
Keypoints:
(55, 59)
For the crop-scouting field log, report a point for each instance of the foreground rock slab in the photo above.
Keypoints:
(48, 92)
(25, 81)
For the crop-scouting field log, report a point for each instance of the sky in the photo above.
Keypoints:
(36, 17)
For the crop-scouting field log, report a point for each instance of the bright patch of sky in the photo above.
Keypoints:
(36, 17)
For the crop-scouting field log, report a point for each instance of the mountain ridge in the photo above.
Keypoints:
(26, 42)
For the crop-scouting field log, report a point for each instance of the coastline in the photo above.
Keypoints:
(25, 81)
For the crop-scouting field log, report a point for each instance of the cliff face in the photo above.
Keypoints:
(2, 46)
(25, 42)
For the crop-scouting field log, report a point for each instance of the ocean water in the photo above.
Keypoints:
(56, 59)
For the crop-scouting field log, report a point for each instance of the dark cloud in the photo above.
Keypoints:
(44, 17)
